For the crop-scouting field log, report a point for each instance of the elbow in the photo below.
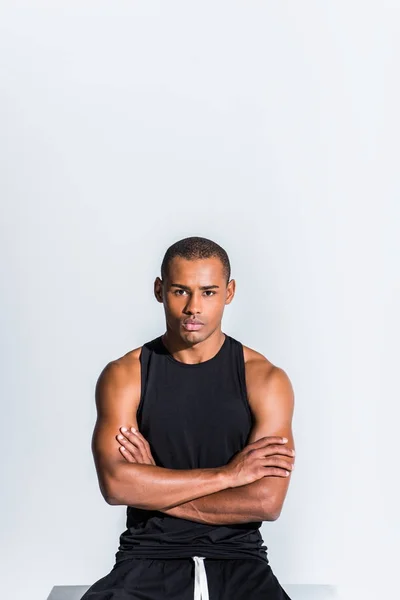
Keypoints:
(112, 501)
(110, 498)
(271, 515)
(117, 482)
(271, 511)
(274, 515)
(119, 490)
(109, 491)
(113, 495)
(116, 493)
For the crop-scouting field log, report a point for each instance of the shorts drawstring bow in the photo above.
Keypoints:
(200, 579)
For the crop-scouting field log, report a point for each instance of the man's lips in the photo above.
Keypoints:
(193, 325)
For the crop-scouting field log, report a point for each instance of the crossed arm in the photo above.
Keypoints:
(272, 402)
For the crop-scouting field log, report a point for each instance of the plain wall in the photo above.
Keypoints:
(270, 127)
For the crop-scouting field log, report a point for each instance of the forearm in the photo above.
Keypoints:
(243, 504)
(154, 488)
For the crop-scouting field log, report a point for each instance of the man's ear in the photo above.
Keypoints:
(158, 289)
(230, 291)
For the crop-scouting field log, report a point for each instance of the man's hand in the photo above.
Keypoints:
(134, 447)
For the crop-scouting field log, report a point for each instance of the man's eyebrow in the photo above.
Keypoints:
(186, 287)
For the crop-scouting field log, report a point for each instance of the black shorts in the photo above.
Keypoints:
(194, 578)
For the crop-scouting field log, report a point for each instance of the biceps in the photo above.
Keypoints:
(275, 488)
(281, 429)
(106, 454)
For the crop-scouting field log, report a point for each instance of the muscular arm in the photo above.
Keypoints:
(243, 505)
(144, 486)
(272, 400)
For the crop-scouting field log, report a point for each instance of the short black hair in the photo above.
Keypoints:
(193, 248)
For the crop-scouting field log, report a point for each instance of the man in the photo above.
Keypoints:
(194, 436)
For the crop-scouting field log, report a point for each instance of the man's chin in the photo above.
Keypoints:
(193, 336)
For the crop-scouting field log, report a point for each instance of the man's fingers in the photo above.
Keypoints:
(141, 438)
(129, 448)
(127, 455)
(269, 439)
(130, 443)
(145, 449)
(139, 445)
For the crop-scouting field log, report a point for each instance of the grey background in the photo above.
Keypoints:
(270, 127)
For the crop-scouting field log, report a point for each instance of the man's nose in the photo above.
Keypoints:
(193, 305)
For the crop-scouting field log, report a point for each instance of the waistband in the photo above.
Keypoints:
(219, 551)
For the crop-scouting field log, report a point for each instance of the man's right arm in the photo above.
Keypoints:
(132, 484)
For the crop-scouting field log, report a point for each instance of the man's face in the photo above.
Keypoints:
(194, 296)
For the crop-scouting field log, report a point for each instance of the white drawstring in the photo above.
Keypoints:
(200, 579)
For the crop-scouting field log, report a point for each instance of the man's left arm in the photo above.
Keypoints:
(271, 398)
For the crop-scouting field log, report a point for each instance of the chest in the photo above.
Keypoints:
(194, 422)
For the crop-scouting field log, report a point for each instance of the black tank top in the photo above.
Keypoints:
(193, 416)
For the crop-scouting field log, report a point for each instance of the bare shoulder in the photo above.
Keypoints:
(255, 360)
(124, 365)
(120, 378)
(257, 366)
(263, 376)
(128, 361)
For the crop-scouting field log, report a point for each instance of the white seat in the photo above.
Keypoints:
(301, 591)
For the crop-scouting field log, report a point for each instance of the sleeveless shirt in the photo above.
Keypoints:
(194, 416)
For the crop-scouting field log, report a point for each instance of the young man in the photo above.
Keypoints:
(194, 436)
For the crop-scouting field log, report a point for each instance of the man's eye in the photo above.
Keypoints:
(177, 292)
